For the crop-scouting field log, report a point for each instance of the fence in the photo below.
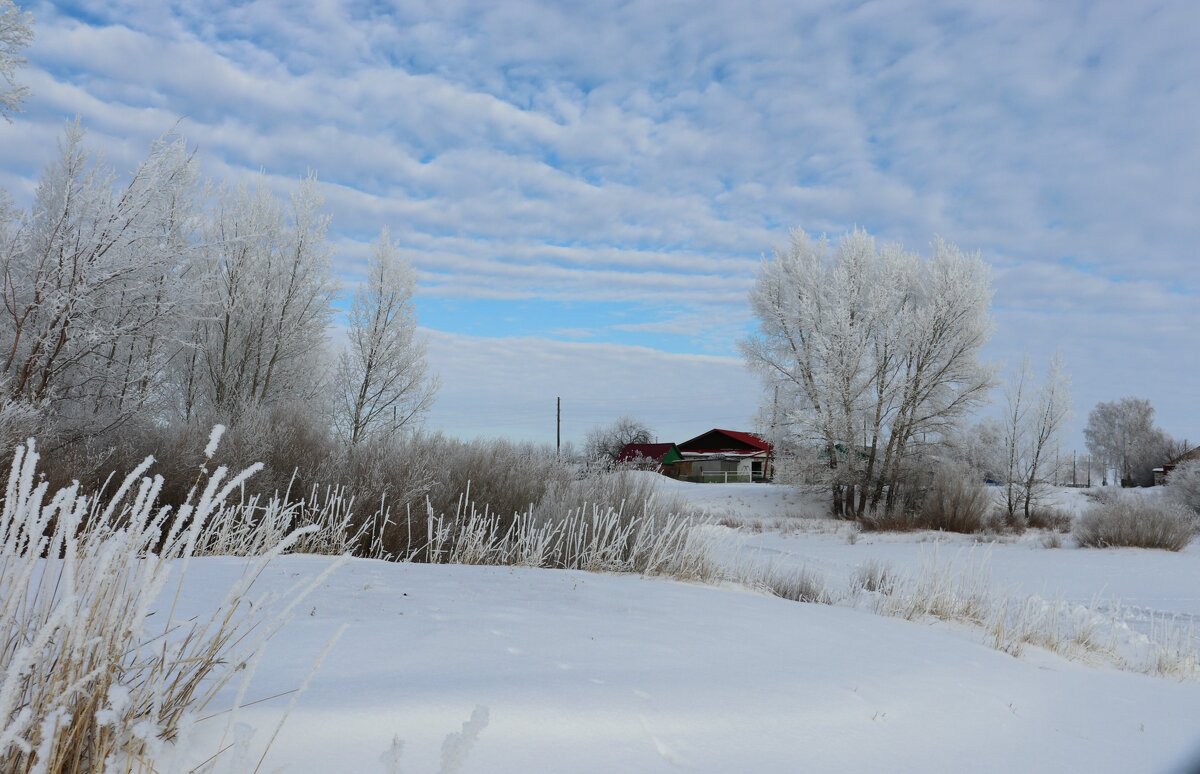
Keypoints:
(723, 477)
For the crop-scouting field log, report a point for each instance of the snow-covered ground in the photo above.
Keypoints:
(745, 501)
(577, 672)
(495, 669)
(1149, 581)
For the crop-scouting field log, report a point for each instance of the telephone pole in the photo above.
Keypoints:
(558, 427)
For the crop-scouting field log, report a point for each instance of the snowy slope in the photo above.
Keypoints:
(594, 673)
(745, 501)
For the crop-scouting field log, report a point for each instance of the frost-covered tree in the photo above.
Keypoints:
(875, 353)
(1122, 436)
(91, 281)
(606, 441)
(1183, 485)
(1033, 423)
(382, 381)
(16, 32)
(980, 450)
(264, 286)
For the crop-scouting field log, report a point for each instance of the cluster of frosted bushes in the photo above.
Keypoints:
(96, 673)
(1138, 521)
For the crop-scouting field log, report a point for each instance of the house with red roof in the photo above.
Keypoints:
(726, 455)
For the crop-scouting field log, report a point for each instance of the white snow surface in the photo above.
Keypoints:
(496, 669)
(787, 530)
(578, 672)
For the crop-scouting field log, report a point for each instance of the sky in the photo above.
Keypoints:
(587, 189)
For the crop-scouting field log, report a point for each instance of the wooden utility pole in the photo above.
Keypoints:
(558, 427)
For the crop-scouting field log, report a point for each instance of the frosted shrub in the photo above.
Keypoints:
(1137, 521)
(1183, 485)
(1046, 517)
(955, 503)
(952, 502)
(93, 675)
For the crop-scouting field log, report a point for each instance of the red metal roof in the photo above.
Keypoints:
(746, 439)
(650, 451)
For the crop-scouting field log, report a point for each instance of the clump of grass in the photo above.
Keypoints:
(1128, 520)
(598, 538)
(795, 584)
(939, 590)
(603, 522)
(874, 576)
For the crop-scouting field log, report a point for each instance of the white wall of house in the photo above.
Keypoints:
(736, 466)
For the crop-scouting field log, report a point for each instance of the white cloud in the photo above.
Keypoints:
(650, 152)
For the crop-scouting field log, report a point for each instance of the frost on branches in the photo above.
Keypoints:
(16, 32)
(382, 381)
(875, 352)
(153, 300)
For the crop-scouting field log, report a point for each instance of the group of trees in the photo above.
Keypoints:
(166, 303)
(606, 441)
(875, 354)
(1034, 416)
(871, 354)
(164, 300)
(1122, 436)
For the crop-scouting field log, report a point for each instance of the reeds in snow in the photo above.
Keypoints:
(96, 673)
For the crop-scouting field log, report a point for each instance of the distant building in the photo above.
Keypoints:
(725, 455)
(1160, 474)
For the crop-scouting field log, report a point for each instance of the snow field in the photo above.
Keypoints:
(582, 672)
(1130, 608)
